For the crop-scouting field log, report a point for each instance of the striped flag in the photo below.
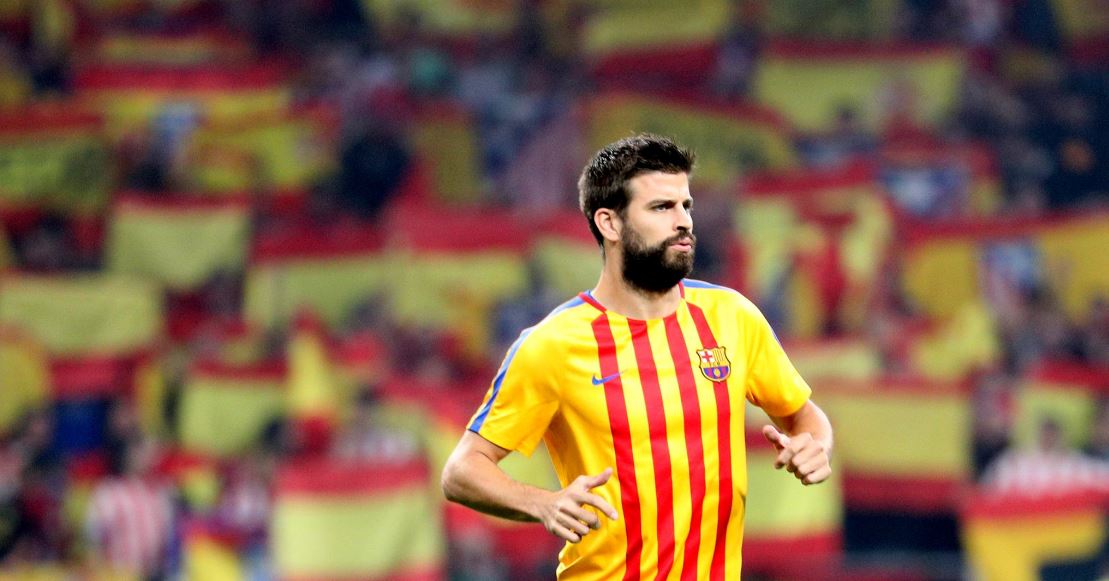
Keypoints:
(328, 274)
(76, 315)
(53, 159)
(179, 242)
(224, 409)
(923, 458)
(1016, 539)
(874, 81)
(728, 140)
(371, 522)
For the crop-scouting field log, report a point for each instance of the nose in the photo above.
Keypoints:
(685, 220)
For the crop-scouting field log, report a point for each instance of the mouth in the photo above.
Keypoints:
(685, 244)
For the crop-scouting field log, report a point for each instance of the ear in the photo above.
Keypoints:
(609, 224)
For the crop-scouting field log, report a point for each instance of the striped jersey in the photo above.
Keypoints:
(662, 402)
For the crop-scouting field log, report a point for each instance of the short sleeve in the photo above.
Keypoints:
(522, 399)
(772, 382)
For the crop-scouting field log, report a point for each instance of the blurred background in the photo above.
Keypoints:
(259, 260)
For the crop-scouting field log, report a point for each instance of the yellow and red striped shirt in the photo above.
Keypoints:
(661, 402)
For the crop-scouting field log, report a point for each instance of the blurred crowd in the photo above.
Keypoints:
(1039, 110)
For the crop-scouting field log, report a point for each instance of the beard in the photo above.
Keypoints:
(649, 268)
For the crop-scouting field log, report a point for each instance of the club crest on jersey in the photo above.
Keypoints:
(714, 363)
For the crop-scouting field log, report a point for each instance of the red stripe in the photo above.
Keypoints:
(724, 444)
(660, 446)
(622, 442)
(694, 447)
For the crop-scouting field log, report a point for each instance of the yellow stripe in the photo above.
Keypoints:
(781, 506)
(368, 536)
(922, 435)
(181, 249)
(224, 417)
(331, 286)
(84, 314)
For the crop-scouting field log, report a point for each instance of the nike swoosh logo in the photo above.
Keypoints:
(603, 380)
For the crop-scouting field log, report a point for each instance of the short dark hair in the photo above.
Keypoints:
(604, 181)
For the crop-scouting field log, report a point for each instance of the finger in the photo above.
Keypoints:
(587, 516)
(598, 479)
(565, 533)
(811, 466)
(598, 503)
(819, 476)
(573, 524)
(783, 458)
(775, 437)
(806, 455)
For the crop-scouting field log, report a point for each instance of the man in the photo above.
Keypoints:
(637, 388)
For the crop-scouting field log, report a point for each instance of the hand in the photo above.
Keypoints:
(564, 515)
(804, 457)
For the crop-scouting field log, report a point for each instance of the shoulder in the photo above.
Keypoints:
(717, 297)
(558, 328)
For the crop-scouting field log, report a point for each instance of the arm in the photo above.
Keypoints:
(473, 478)
(804, 443)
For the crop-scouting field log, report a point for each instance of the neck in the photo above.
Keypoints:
(614, 292)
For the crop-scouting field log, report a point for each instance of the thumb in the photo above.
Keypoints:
(599, 479)
(777, 438)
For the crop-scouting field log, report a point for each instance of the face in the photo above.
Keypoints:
(656, 240)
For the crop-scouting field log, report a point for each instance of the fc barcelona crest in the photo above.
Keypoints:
(714, 363)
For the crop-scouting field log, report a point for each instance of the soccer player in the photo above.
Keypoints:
(637, 388)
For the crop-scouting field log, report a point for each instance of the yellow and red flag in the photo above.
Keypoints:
(457, 266)
(948, 266)
(816, 240)
(54, 159)
(923, 459)
(566, 254)
(785, 517)
(810, 83)
(132, 98)
(282, 152)
(225, 409)
(84, 315)
(1014, 539)
(320, 531)
(199, 48)
(728, 139)
(1066, 393)
(330, 274)
(179, 242)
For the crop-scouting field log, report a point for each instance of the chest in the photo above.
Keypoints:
(653, 376)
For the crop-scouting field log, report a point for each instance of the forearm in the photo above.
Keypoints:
(474, 480)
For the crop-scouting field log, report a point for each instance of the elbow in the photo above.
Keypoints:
(448, 481)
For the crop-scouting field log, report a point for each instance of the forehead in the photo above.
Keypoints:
(655, 185)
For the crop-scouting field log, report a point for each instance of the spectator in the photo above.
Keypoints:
(368, 437)
(373, 165)
(1050, 467)
(1095, 334)
(130, 516)
(1098, 444)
